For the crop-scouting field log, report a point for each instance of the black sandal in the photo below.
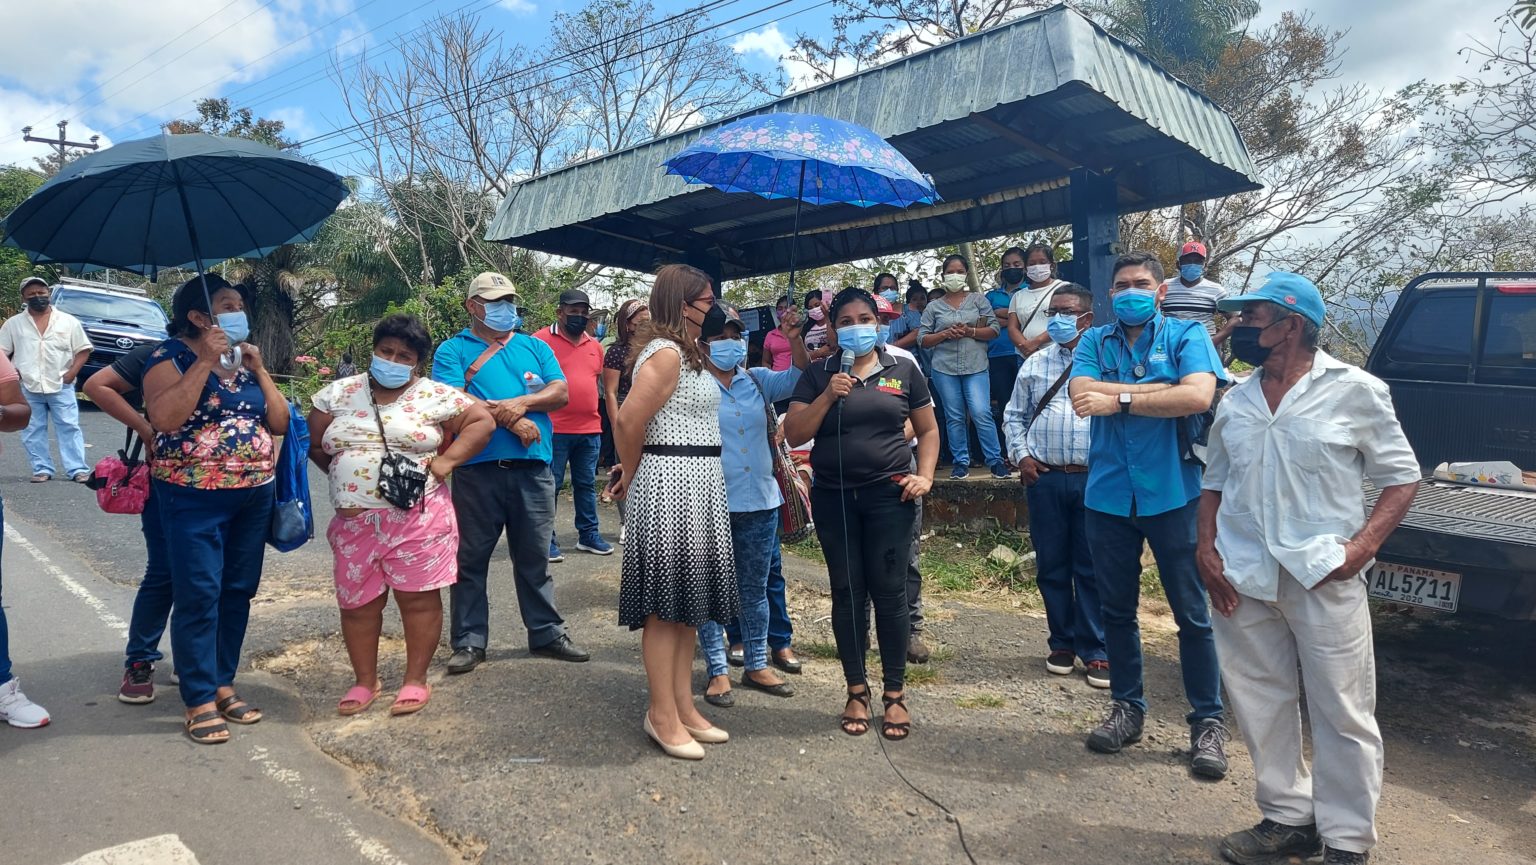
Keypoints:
(847, 722)
(894, 730)
(204, 735)
(240, 714)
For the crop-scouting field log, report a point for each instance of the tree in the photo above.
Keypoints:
(1180, 35)
(15, 185)
(216, 117)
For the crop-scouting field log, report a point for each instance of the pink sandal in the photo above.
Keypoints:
(411, 699)
(358, 699)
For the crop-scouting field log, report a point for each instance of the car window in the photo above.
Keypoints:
(1509, 345)
(142, 313)
(1437, 330)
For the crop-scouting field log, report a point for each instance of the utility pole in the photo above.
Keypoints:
(62, 143)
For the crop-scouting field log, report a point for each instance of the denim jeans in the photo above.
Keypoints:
(5, 633)
(753, 536)
(1116, 542)
(968, 395)
(781, 631)
(65, 411)
(866, 536)
(217, 539)
(490, 500)
(581, 452)
(152, 604)
(1064, 564)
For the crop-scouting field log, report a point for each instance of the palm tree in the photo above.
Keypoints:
(1183, 36)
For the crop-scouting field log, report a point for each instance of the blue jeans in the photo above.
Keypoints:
(964, 395)
(217, 539)
(753, 535)
(5, 634)
(152, 604)
(581, 452)
(1117, 543)
(1064, 564)
(65, 411)
(781, 631)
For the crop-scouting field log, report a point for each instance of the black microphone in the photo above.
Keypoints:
(846, 366)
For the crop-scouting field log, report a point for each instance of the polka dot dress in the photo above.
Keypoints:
(677, 559)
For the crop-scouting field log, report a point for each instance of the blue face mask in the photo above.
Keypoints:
(860, 338)
(388, 373)
(1191, 272)
(727, 354)
(1062, 328)
(602, 330)
(1135, 306)
(891, 296)
(882, 335)
(501, 316)
(235, 325)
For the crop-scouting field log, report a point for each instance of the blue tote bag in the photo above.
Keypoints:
(293, 520)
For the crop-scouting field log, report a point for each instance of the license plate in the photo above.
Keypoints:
(1421, 587)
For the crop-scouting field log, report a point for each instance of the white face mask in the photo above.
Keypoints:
(955, 282)
(1038, 272)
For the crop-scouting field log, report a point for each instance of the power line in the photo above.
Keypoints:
(384, 118)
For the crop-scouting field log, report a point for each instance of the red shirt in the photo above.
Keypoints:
(582, 363)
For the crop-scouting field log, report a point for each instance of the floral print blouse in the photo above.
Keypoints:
(413, 422)
(225, 444)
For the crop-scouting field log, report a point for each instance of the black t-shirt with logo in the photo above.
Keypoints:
(130, 368)
(870, 427)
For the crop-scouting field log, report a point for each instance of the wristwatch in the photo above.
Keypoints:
(1125, 402)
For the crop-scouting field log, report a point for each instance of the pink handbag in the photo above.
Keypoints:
(121, 481)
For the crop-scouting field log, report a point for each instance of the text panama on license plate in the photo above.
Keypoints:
(1422, 587)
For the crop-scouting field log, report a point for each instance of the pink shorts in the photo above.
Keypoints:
(414, 550)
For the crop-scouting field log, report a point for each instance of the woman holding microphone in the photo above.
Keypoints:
(857, 405)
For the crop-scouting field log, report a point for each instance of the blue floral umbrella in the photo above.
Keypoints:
(812, 159)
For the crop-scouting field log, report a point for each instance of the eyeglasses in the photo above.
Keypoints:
(1056, 310)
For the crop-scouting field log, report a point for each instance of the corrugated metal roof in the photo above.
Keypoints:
(1009, 108)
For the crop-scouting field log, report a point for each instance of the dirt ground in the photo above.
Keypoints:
(531, 761)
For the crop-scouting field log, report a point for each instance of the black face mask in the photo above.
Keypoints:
(1245, 344)
(713, 323)
(575, 324)
(37, 304)
(1013, 275)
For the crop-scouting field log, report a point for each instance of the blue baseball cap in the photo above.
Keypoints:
(1290, 290)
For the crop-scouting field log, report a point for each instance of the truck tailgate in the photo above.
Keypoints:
(1506, 516)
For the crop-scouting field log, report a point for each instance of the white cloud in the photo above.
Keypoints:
(518, 7)
(296, 122)
(769, 44)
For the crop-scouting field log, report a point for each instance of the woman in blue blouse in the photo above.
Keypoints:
(212, 473)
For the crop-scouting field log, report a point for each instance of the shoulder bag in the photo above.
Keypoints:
(795, 514)
(121, 481)
(402, 480)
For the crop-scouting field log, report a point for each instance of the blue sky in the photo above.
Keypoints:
(120, 68)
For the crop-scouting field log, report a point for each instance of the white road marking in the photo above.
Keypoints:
(69, 583)
(303, 796)
(159, 850)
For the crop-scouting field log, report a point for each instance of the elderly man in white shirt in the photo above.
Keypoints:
(1283, 541)
(48, 347)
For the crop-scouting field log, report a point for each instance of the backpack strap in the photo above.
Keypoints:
(490, 351)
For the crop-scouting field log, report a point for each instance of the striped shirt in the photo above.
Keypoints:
(1193, 302)
(1058, 436)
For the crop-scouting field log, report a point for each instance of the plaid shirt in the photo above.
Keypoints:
(1058, 436)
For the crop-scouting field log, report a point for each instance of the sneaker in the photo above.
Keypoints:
(1000, 471)
(554, 553)
(1207, 757)
(1270, 840)
(17, 710)
(1344, 857)
(138, 683)
(960, 472)
(1060, 662)
(175, 678)
(1121, 728)
(917, 650)
(595, 545)
(1098, 674)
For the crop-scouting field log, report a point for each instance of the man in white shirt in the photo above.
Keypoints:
(48, 347)
(1283, 541)
(1192, 297)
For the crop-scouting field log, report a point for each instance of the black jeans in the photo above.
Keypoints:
(866, 536)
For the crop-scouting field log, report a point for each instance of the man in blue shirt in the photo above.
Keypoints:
(1141, 378)
(508, 487)
(746, 457)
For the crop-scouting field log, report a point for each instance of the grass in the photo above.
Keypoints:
(982, 701)
(917, 674)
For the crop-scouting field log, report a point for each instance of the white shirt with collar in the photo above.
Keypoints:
(42, 358)
(1291, 479)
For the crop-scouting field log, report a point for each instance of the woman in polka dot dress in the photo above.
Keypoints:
(678, 570)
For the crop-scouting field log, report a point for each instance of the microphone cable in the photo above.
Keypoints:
(860, 650)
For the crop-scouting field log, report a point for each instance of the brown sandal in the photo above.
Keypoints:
(895, 730)
(851, 725)
(237, 710)
(203, 733)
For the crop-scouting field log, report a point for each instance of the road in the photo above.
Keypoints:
(103, 773)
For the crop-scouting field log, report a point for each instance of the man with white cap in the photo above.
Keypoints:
(507, 489)
(48, 347)
(1282, 542)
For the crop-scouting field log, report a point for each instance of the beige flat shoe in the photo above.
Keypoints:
(708, 735)
(690, 751)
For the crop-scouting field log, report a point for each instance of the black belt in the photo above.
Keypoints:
(682, 450)
(518, 464)
(1070, 470)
